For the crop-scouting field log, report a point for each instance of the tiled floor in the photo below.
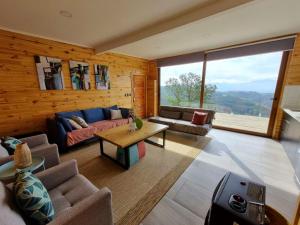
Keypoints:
(263, 160)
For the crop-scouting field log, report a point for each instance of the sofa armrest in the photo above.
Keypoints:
(6, 159)
(94, 210)
(35, 140)
(57, 175)
(50, 153)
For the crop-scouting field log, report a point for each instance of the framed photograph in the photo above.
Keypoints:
(49, 72)
(80, 76)
(102, 77)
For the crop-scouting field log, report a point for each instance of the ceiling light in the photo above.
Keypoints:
(65, 13)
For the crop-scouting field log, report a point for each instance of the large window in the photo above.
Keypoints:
(180, 85)
(241, 90)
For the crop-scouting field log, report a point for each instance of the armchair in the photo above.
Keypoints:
(39, 146)
(75, 199)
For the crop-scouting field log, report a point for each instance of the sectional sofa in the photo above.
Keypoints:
(179, 119)
(98, 119)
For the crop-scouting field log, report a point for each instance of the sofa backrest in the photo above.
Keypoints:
(93, 115)
(3, 152)
(69, 114)
(184, 113)
(9, 212)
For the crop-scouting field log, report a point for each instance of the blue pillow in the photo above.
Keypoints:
(66, 124)
(93, 115)
(69, 114)
(106, 111)
(124, 112)
(32, 197)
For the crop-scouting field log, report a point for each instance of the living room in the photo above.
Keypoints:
(149, 112)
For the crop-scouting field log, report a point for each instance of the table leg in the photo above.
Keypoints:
(101, 146)
(127, 160)
(164, 138)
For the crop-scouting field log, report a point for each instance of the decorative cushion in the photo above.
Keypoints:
(10, 143)
(32, 197)
(80, 121)
(187, 116)
(199, 118)
(106, 111)
(170, 114)
(74, 124)
(115, 114)
(93, 115)
(65, 123)
(125, 112)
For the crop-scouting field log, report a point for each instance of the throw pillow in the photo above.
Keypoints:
(199, 118)
(10, 143)
(74, 124)
(65, 123)
(125, 113)
(32, 197)
(80, 121)
(106, 111)
(115, 114)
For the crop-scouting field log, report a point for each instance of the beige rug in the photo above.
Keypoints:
(136, 191)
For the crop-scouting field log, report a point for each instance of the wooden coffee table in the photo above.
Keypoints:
(121, 137)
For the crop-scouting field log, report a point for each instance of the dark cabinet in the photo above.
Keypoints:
(290, 140)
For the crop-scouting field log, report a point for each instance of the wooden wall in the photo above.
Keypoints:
(291, 77)
(24, 107)
(152, 89)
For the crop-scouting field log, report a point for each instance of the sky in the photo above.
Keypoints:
(232, 73)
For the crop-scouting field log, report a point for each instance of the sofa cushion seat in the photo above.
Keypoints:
(77, 136)
(70, 193)
(188, 127)
(162, 120)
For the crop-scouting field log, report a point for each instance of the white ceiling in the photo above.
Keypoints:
(98, 23)
(249, 22)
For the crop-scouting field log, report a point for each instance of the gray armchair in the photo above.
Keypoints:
(39, 146)
(75, 199)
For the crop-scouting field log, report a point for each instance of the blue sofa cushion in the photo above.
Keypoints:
(66, 124)
(124, 112)
(69, 114)
(107, 111)
(93, 115)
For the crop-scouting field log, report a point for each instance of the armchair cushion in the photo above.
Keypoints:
(32, 197)
(71, 192)
(9, 212)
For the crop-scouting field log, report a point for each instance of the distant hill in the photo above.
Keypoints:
(262, 86)
(237, 102)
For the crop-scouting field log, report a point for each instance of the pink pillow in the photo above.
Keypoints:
(199, 118)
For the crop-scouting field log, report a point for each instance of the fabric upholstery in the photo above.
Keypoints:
(125, 112)
(3, 152)
(69, 114)
(10, 214)
(77, 136)
(49, 152)
(187, 116)
(33, 198)
(115, 114)
(67, 194)
(93, 115)
(35, 140)
(188, 127)
(199, 118)
(80, 121)
(170, 114)
(65, 122)
(106, 111)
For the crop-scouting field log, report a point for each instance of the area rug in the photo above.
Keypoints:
(136, 191)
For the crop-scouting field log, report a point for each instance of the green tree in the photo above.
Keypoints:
(185, 90)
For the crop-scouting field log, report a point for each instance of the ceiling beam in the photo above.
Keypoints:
(202, 11)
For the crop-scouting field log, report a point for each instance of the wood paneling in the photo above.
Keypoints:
(291, 77)
(152, 89)
(24, 107)
(139, 95)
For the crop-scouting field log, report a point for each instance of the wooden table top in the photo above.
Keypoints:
(121, 136)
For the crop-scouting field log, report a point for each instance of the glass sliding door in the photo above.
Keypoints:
(241, 90)
(180, 85)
